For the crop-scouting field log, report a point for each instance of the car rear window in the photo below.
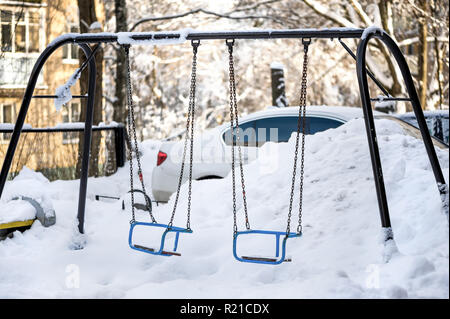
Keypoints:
(277, 129)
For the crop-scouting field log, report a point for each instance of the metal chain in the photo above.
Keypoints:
(234, 119)
(189, 135)
(132, 130)
(300, 124)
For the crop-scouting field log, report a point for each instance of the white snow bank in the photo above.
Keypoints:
(29, 184)
(338, 256)
(15, 211)
(63, 92)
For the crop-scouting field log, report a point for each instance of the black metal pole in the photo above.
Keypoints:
(119, 143)
(87, 137)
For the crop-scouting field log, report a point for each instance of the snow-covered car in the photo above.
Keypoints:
(212, 149)
(437, 122)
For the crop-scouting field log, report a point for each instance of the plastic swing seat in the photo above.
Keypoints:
(158, 251)
(278, 259)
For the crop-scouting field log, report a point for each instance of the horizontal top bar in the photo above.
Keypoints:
(180, 36)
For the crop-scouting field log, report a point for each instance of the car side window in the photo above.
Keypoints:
(319, 124)
(277, 129)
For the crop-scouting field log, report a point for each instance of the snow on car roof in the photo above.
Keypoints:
(444, 113)
(344, 113)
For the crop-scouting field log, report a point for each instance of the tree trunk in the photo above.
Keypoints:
(119, 104)
(87, 17)
(423, 55)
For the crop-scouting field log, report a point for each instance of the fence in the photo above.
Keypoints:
(54, 151)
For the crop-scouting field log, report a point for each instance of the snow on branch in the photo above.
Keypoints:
(63, 94)
(416, 39)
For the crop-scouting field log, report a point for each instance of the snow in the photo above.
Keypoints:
(30, 184)
(381, 103)
(340, 254)
(63, 37)
(71, 125)
(276, 65)
(126, 37)
(371, 30)
(63, 92)
(15, 211)
(95, 25)
(10, 126)
(110, 124)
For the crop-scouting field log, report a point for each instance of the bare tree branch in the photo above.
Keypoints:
(359, 10)
(228, 15)
(326, 13)
(416, 39)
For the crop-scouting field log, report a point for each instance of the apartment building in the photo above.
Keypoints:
(26, 27)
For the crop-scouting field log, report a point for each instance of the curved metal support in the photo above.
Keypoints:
(88, 124)
(370, 125)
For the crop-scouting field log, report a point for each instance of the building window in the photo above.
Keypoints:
(20, 31)
(71, 114)
(70, 51)
(6, 116)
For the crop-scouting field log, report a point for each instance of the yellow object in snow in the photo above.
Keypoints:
(17, 224)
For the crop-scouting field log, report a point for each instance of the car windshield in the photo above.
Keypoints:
(412, 130)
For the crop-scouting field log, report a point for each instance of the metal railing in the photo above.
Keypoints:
(119, 137)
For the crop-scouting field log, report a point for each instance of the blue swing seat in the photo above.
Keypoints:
(158, 251)
(265, 260)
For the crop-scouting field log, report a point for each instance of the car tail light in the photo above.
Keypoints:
(161, 158)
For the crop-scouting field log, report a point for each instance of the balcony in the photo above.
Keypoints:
(15, 72)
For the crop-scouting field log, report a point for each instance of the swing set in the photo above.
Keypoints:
(195, 37)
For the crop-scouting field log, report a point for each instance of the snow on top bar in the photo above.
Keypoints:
(157, 38)
(371, 30)
(63, 37)
(180, 36)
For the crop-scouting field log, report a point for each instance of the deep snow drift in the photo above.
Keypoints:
(338, 256)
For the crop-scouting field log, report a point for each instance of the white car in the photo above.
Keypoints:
(212, 149)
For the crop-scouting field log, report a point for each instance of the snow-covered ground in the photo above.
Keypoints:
(338, 256)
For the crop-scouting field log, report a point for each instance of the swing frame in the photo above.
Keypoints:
(83, 41)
